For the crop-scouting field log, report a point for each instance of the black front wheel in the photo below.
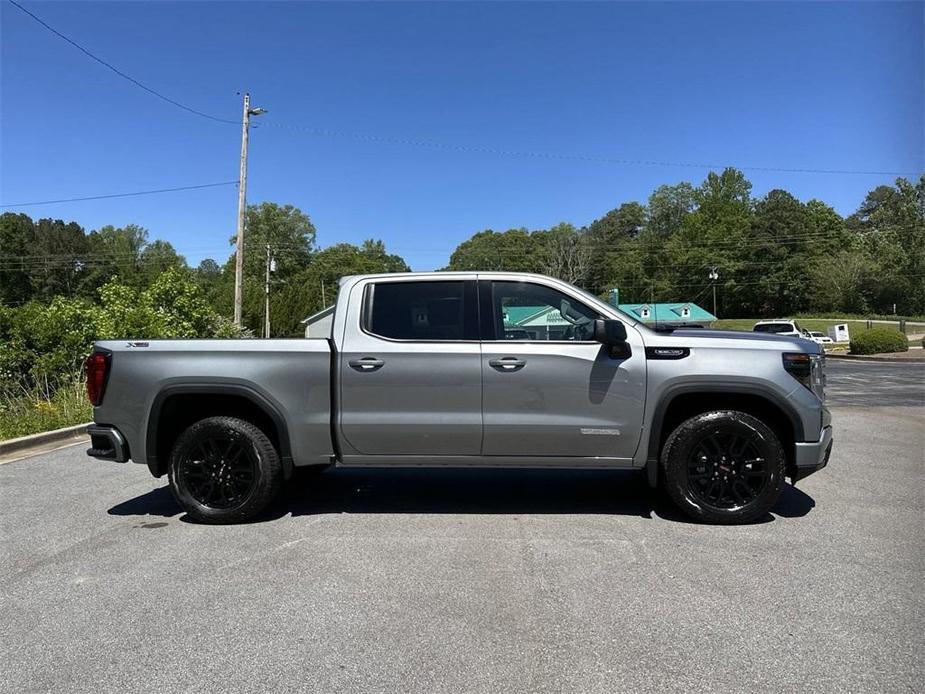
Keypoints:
(723, 467)
(224, 470)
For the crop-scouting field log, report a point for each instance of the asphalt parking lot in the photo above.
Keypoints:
(477, 581)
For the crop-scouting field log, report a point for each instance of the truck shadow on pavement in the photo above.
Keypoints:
(374, 490)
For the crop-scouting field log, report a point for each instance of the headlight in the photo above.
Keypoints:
(808, 369)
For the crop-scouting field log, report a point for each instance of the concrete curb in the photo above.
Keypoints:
(891, 360)
(24, 442)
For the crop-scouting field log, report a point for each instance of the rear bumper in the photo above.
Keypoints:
(106, 443)
(813, 456)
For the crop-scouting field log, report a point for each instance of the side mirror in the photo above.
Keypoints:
(609, 332)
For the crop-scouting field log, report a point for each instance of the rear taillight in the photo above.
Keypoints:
(96, 369)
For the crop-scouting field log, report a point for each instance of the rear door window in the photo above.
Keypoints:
(422, 311)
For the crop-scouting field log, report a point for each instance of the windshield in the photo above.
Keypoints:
(773, 328)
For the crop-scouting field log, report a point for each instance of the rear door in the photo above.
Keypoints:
(410, 371)
(550, 390)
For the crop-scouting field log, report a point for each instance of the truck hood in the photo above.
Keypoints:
(697, 337)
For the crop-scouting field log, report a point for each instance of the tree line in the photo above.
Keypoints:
(45, 259)
(774, 255)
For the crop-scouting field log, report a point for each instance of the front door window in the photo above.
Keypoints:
(525, 311)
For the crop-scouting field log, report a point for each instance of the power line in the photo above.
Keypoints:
(124, 195)
(119, 72)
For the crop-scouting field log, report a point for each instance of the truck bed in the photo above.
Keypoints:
(290, 377)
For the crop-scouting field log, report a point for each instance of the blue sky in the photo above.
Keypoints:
(792, 85)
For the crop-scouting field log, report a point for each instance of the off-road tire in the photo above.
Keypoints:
(684, 459)
(196, 461)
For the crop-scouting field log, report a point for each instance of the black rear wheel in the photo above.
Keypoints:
(224, 470)
(723, 467)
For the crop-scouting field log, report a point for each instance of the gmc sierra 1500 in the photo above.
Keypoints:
(467, 369)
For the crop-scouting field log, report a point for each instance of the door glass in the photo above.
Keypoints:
(525, 311)
(420, 311)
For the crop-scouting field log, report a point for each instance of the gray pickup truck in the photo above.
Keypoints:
(467, 369)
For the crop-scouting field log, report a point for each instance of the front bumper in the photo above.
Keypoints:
(810, 457)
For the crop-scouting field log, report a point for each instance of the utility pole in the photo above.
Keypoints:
(242, 207)
(271, 267)
(714, 275)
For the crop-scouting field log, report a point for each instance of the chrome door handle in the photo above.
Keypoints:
(507, 364)
(366, 364)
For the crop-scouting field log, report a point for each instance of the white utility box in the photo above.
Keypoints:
(839, 333)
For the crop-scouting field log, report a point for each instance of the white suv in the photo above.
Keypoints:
(784, 326)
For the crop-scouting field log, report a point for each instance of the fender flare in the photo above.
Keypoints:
(730, 388)
(249, 393)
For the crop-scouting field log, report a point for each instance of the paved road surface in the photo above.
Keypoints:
(476, 581)
(874, 384)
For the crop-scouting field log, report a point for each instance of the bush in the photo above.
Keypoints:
(33, 411)
(878, 340)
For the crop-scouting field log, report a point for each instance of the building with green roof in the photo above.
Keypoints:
(681, 313)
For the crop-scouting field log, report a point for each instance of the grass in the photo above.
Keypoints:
(31, 412)
(815, 324)
(842, 317)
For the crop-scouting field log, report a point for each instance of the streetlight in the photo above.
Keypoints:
(714, 275)
(242, 207)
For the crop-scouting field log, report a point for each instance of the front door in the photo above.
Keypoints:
(549, 390)
(410, 373)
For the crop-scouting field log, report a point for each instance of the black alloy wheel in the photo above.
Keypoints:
(727, 470)
(224, 470)
(723, 467)
(219, 473)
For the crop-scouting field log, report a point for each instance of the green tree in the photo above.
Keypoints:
(62, 248)
(42, 343)
(287, 229)
(172, 307)
(891, 225)
(668, 207)
(208, 275)
(775, 257)
(626, 221)
(158, 257)
(514, 250)
(564, 252)
(712, 234)
(615, 258)
(642, 269)
(17, 239)
(116, 253)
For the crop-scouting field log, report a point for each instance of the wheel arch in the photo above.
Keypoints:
(176, 407)
(682, 402)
